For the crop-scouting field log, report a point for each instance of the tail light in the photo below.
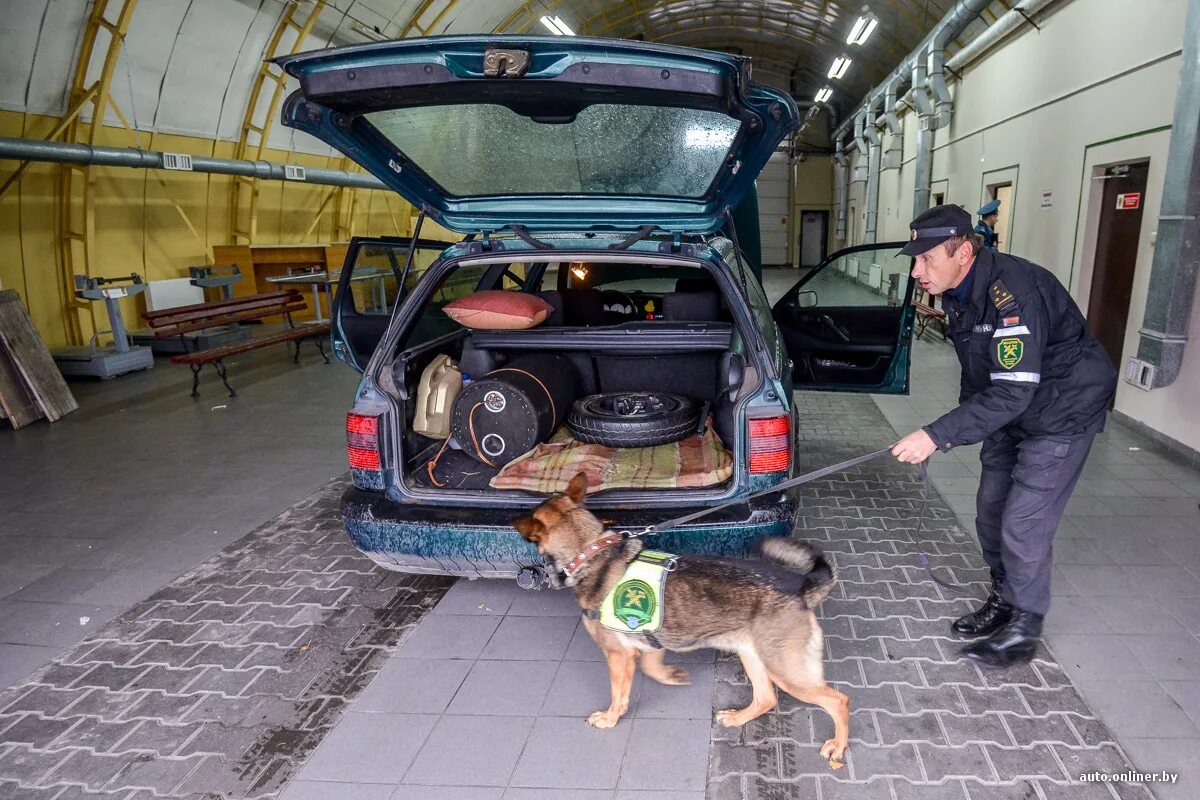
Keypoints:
(770, 445)
(362, 441)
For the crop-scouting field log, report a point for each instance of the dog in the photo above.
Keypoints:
(761, 609)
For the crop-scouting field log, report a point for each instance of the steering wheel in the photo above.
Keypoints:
(606, 299)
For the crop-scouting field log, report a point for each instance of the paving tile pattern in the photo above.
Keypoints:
(924, 722)
(221, 683)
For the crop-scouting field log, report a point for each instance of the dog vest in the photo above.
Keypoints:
(635, 604)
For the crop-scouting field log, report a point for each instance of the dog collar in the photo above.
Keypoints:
(603, 543)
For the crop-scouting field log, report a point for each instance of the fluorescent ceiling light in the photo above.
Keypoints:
(823, 95)
(557, 26)
(838, 70)
(862, 29)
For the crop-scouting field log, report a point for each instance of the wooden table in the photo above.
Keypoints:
(264, 261)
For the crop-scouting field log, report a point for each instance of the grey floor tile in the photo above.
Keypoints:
(405, 792)
(449, 636)
(371, 748)
(1074, 615)
(1137, 708)
(1156, 754)
(504, 688)
(414, 686)
(559, 747)
(1187, 695)
(558, 794)
(666, 754)
(1172, 658)
(634, 794)
(1164, 581)
(531, 638)
(124, 587)
(51, 623)
(582, 648)
(1077, 549)
(18, 661)
(14, 575)
(1186, 610)
(1098, 657)
(324, 790)
(1153, 506)
(1098, 580)
(63, 585)
(546, 603)
(1135, 615)
(483, 597)
(581, 687)
(471, 751)
(1162, 488)
(693, 701)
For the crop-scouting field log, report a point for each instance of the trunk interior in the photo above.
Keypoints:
(690, 349)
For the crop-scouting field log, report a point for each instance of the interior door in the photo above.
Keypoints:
(373, 281)
(1116, 255)
(848, 323)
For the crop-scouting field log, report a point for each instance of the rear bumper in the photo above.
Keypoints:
(481, 543)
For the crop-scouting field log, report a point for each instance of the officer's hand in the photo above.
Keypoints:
(914, 448)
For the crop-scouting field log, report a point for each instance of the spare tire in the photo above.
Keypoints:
(633, 419)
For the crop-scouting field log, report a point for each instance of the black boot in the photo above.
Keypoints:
(1015, 643)
(994, 615)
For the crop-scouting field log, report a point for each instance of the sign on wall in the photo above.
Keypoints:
(1047, 199)
(1129, 201)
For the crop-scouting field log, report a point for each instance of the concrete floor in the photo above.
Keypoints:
(143, 483)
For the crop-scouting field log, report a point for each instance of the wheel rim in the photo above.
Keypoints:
(635, 405)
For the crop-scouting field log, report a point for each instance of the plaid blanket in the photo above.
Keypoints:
(691, 463)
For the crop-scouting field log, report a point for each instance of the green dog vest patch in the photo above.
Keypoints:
(635, 604)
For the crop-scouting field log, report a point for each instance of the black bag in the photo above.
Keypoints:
(512, 409)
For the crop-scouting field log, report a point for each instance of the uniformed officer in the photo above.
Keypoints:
(1035, 390)
(989, 215)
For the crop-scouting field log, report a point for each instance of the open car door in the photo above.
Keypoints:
(371, 284)
(848, 323)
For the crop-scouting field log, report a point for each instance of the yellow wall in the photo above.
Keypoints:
(139, 227)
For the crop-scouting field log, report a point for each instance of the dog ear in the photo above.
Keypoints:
(530, 528)
(577, 488)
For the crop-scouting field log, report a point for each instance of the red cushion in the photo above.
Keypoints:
(496, 309)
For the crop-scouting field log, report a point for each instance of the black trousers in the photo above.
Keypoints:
(1024, 487)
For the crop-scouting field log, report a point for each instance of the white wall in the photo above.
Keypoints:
(1096, 85)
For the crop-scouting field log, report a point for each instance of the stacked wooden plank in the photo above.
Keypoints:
(31, 387)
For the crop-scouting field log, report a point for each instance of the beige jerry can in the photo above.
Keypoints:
(440, 384)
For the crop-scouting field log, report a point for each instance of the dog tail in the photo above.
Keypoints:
(806, 560)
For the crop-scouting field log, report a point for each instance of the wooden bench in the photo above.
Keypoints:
(926, 314)
(189, 319)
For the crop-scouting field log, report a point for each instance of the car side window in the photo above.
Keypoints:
(377, 270)
(861, 278)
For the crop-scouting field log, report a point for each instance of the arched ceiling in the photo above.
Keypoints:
(187, 66)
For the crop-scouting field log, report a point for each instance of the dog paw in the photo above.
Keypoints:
(675, 676)
(603, 719)
(833, 751)
(729, 717)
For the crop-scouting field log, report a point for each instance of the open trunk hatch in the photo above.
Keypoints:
(551, 133)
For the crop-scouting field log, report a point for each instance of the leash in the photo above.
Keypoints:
(806, 478)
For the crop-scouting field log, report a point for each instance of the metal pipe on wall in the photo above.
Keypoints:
(842, 189)
(874, 152)
(923, 164)
(63, 153)
(1172, 291)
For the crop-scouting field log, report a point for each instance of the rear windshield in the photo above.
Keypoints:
(486, 149)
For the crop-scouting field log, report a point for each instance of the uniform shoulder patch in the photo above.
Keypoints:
(1002, 298)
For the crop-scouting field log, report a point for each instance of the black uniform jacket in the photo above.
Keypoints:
(1028, 361)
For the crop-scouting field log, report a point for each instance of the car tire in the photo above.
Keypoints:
(633, 419)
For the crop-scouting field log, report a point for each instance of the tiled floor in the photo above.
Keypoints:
(143, 482)
(1126, 610)
(490, 694)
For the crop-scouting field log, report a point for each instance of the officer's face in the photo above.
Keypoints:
(936, 270)
(992, 219)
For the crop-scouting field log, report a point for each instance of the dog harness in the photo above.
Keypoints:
(635, 604)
